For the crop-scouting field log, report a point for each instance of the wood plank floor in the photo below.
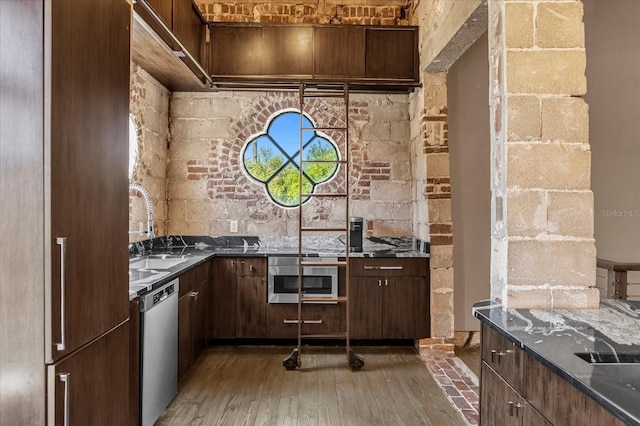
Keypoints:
(247, 385)
(471, 357)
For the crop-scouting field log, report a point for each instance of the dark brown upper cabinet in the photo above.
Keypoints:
(164, 10)
(288, 50)
(180, 62)
(381, 59)
(235, 52)
(391, 53)
(339, 52)
(190, 28)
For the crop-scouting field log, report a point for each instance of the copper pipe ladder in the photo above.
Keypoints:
(294, 361)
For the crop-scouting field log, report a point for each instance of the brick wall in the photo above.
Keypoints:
(321, 12)
(207, 186)
(150, 113)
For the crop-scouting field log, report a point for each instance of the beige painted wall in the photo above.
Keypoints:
(469, 150)
(613, 94)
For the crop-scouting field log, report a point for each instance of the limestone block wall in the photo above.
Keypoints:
(207, 187)
(542, 206)
(356, 12)
(149, 109)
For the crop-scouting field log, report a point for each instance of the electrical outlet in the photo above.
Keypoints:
(233, 226)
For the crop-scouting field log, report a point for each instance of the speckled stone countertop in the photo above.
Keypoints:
(155, 262)
(553, 337)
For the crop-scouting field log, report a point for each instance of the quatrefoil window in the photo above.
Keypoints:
(272, 158)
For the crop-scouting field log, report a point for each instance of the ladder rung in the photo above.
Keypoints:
(324, 194)
(324, 161)
(330, 299)
(341, 335)
(342, 129)
(320, 229)
(338, 263)
(323, 95)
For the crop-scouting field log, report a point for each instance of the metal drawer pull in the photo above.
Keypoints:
(295, 321)
(497, 354)
(64, 378)
(386, 282)
(514, 408)
(379, 283)
(62, 242)
(194, 294)
(383, 268)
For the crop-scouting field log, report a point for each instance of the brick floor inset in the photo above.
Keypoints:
(458, 382)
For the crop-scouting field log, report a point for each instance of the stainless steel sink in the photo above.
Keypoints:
(609, 358)
(157, 263)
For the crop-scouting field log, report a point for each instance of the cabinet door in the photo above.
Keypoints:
(251, 308)
(530, 417)
(405, 310)
(503, 356)
(88, 156)
(188, 27)
(365, 303)
(222, 308)
(185, 345)
(398, 58)
(498, 401)
(164, 10)
(288, 50)
(96, 390)
(338, 52)
(199, 319)
(236, 51)
(317, 319)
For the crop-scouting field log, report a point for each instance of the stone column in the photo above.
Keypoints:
(438, 194)
(543, 250)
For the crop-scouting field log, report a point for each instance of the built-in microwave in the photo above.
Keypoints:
(283, 279)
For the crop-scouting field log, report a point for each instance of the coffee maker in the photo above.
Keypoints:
(355, 234)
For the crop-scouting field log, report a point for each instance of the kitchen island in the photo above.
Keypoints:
(592, 353)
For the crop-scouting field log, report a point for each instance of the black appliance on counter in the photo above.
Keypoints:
(355, 234)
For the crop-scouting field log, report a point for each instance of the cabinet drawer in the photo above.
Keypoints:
(192, 278)
(252, 266)
(389, 266)
(503, 356)
(318, 319)
(558, 400)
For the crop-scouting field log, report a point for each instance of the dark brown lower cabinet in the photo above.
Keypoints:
(500, 404)
(91, 386)
(515, 389)
(389, 307)
(282, 319)
(222, 305)
(251, 307)
(192, 338)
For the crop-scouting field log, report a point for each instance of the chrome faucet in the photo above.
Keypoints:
(148, 206)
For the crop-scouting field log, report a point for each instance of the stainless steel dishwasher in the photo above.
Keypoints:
(158, 351)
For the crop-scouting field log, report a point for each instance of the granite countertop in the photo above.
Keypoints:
(155, 262)
(553, 337)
